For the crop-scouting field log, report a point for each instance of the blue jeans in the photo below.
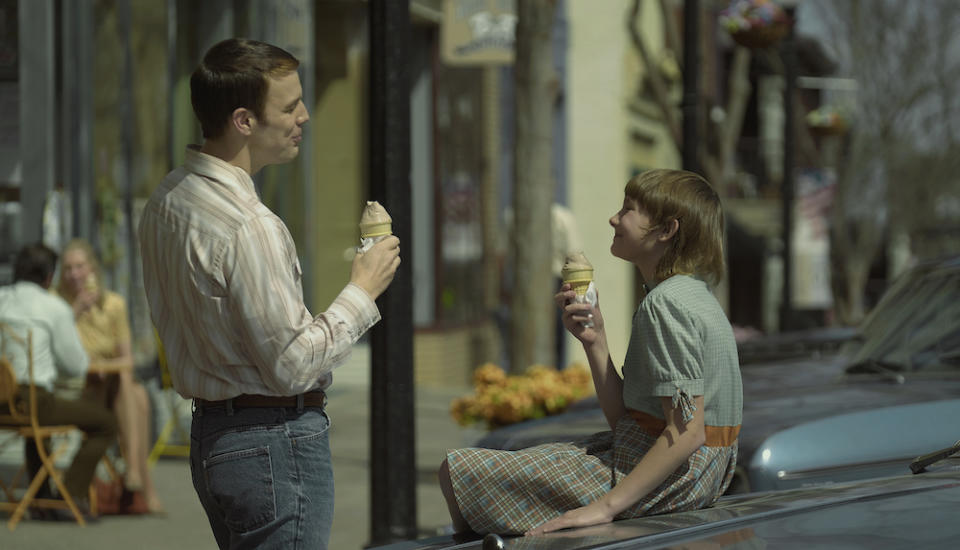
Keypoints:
(264, 476)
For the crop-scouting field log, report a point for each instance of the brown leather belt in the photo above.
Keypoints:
(310, 399)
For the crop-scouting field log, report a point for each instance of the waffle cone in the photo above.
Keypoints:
(580, 287)
(375, 229)
(579, 279)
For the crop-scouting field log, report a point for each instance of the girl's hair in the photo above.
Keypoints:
(87, 249)
(697, 247)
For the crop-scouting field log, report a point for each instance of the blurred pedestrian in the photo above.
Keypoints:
(675, 415)
(57, 351)
(224, 286)
(564, 239)
(104, 327)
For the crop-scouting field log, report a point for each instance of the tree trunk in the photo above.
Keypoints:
(533, 315)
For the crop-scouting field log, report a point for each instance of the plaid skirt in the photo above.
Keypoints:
(510, 492)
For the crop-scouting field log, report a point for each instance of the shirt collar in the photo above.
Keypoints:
(211, 167)
(673, 279)
(29, 285)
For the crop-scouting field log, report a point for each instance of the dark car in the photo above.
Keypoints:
(905, 511)
(795, 344)
(892, 392)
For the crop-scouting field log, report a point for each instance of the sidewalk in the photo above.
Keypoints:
(185, 527)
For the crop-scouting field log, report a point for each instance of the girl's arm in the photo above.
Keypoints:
(122, 362)
(674, 446)
(606, 380)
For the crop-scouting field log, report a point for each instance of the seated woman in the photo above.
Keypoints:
(104, 329)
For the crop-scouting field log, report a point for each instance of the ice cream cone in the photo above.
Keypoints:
(375, 222)
(375, 230)
(580, 286)
(577, 272)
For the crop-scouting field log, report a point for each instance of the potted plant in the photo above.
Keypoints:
(755, 23)
(500, 399)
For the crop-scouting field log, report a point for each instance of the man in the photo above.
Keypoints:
(27, 305)
(223, 283)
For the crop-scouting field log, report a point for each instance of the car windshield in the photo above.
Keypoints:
(915, 326)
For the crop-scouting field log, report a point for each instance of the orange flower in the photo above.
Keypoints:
(500, 399)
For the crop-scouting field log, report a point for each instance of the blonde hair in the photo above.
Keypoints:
(697, 247)
(87, 249)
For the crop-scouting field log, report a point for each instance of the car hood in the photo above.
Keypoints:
(893, 512)
(782, 395)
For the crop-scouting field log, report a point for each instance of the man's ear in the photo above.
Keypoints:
(670, 229)
(243, 120)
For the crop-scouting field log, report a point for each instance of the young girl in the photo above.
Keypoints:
(675, 414)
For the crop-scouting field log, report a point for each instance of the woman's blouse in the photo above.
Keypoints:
(681, 346)
(104, 327)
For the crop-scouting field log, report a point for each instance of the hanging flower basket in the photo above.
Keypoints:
(837, 129)
(755, 24)
(757, 38)
(827, 121)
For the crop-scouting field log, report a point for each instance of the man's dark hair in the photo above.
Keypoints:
(35, 263)
(233, 74)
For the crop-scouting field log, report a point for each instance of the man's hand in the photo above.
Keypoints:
(593, 514)
(374, 269)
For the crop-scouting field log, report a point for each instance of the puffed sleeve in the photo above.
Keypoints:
(673, 351)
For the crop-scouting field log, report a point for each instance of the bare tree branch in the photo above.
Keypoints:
(737, 97)
(656, 81)
(899, 153)
(673, 33)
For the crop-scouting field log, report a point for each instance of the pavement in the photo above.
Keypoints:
(185, 526)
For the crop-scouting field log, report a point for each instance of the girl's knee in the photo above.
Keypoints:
(443, 474)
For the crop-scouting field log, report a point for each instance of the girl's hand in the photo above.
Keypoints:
(83, 301)
(575, 314)
(595, 513)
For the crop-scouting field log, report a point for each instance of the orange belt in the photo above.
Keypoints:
(717, 436)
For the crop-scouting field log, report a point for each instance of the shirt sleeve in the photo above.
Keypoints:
(674, 352)
(291, 349)
(68, 353)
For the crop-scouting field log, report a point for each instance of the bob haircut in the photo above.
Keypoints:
(697, 247)
(233, 74)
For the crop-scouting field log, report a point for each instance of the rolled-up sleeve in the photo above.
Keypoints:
(290, 348)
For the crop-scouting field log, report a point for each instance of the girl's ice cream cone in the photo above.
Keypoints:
(375, 222)
(580, 286)
(577, 272)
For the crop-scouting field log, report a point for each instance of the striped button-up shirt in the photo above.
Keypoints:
(224, 286)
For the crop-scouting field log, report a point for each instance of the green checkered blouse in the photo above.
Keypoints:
(681, 346)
